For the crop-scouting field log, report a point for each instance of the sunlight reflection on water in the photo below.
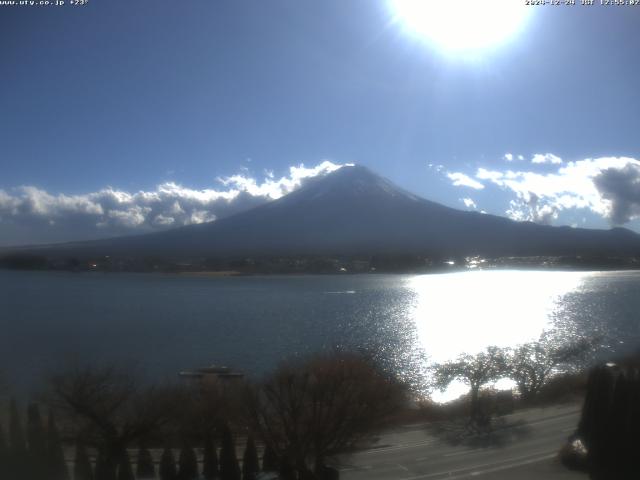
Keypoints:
(468, 311)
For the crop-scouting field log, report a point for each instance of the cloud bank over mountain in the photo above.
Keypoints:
(542, 188)
(607, 186)
(32, 215)
(462, 180)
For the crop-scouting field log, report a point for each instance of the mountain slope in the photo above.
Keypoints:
(353, 210)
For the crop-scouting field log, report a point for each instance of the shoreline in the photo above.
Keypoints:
(443, 271)
(206, 273)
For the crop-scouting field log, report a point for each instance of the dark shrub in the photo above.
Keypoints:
(210, 468)
(145, 468)
(250, 466)
(229, 468)
(286, 470)
(610, 421)
(168, 469)
(269, 460)
(188, 464)
(37, 443)
(82, 465)
(56, 465)
(125, 472)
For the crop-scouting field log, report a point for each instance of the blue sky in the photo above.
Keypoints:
(107, 107)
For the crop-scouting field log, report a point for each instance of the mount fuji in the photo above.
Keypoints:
(355, 211)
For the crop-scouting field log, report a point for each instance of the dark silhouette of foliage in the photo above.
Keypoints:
(250, 465)
(20, 261)
(115, 407)
(18, 462)
(125, 472)
(203, 409)
(286, 470)
(269, 460)
(168, 469)
(610, 421)
(37, 443)
(4, 453)
(106, 466)
(82, 466)
(326, 473)
(188, 464)
(210, 468)
(531, 365)
(56, 465)
(322, 407)
(145, 468)
(16, 433)
(476, 371)
(229, 468)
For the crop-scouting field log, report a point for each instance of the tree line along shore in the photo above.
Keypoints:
(309, 264)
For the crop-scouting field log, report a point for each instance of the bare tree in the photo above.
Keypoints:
(324, 406)
(205, 409)
(532, 364)
(110, 410)
(473, 370)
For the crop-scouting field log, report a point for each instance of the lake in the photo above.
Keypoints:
(161, 324)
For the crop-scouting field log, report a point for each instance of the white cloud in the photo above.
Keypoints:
(510, 157)
(484, 174)
(29, 214)
(461, 180)
(275, 189)
(129, 218)
(607, 186)
(529, 208)
(163, 220)
(548, 158)
(469, 203)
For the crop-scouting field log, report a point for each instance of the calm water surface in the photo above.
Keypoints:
(165, 323)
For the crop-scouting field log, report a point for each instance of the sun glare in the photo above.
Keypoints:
(478, 309)
(461, 25)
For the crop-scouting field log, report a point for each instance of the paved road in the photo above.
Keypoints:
(531, 443)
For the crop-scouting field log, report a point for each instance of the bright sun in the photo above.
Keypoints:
(460, 25)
